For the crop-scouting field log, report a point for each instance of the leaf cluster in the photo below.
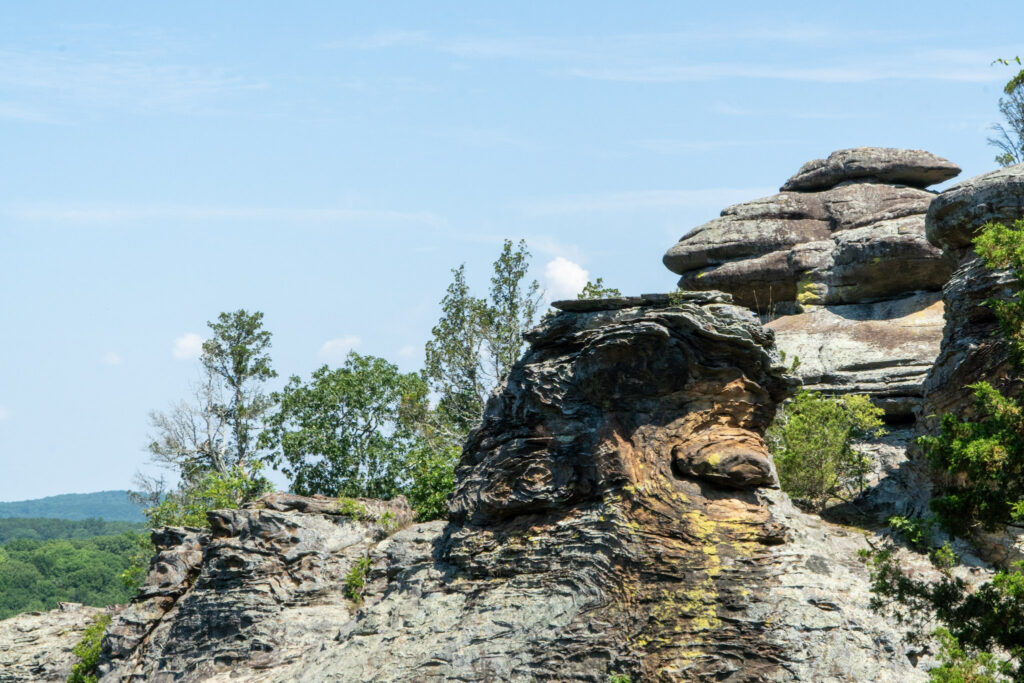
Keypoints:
(812, 444)
(477, 340)
(597, 290)
(36, 575)
(348, 431)
(983, 457)
(977, 621)
(87, 651)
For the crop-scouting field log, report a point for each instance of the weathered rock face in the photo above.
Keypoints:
(840, 268)
(957, 213)
(254, 593)
(913, 167)
(36, 646)
(614, 514)
(972, 347)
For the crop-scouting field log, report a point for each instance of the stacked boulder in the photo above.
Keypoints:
(839, 266)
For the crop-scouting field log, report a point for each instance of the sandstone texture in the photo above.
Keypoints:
(839, 266)
(973, 347)
(615, 513)
(913, 167)
(36, 646)
(957, 213)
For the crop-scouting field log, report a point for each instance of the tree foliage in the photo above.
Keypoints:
(812, 444)
(210, 443)
(36, 575)
(597, 290)
(983, 457)
(348, 431)
(476, 341)
(237, 355)
(1009, 137)
(981, 631)
(42, 529)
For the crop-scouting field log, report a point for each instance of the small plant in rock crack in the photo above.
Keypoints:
(353, 509)
(356, 579)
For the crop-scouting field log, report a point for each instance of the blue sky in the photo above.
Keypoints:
(329, 163)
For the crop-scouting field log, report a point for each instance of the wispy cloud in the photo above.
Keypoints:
(672, 57)
(641, 199)
(687, 146)
(336, 350)
(188, 346)
(14, 111)
(124, 80)
(114, 213)
(5, 414)
(111, 358)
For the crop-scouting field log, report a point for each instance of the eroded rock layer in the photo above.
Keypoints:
(36, 646)
(614, 514)
(973, 348)
(839, 266)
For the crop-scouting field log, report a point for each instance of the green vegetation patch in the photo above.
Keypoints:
(36, 575)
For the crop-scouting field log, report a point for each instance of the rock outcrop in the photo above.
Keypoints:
(972, 347)
(36, 646)
(615, 513)
(838, 264)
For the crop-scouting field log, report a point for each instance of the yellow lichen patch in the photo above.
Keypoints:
(808, 292)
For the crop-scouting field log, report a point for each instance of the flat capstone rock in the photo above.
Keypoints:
(913, 167)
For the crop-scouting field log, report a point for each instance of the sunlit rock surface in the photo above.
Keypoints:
(614, 514)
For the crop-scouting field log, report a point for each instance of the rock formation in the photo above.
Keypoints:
(838, 264)
(36, 646)
(973, 349)
(615, 513)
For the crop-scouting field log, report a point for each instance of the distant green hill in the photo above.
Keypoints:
(112, 506)
(44, 529)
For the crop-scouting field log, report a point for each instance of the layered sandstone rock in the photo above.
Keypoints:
(973, 348)
(36, 646)
(839, 266)
(614, 514)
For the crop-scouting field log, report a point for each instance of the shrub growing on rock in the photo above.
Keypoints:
(812, 443)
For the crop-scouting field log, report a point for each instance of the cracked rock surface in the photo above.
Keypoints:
(615, 513)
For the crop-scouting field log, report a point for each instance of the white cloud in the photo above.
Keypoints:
(335, 350)
(4, 414)
(564, 279)
(407, 351)
(188, 346)
(111, 358)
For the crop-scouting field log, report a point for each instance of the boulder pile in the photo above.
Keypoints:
(839, 266)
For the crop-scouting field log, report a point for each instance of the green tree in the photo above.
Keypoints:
(597, 290)
(209, 444)
(812, 444)
(982, 458)
(1009, 138)
(476, 341)
(453, 357)
(237, 355)
(349, 431)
